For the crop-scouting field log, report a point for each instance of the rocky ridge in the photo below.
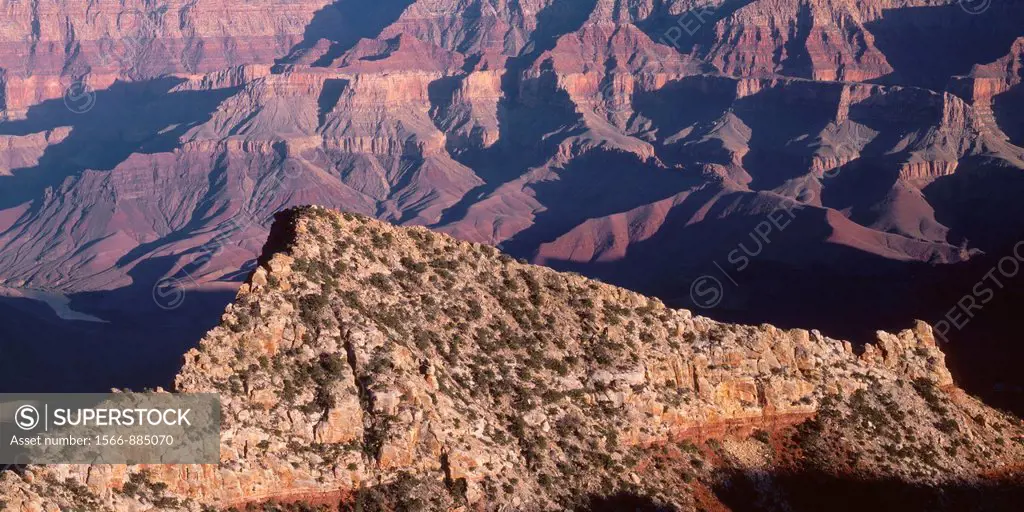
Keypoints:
(367, 363)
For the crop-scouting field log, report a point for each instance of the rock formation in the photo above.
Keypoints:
(476, 118)
(371, 364)
(147, 145)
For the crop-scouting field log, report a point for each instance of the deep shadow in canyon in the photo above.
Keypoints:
(141, 347)
(794, 491)
(810, 490)
(927, 45)
(342, 24)
(797, 281)
(127, 118)
(981, 341)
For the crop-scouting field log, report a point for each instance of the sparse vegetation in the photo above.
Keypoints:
(552, 385)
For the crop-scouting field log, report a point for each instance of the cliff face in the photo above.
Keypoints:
(475, 117)
(367, 362)
(637, 141)
(49, 45)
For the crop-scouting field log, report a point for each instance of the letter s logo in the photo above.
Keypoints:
(26, 417)
(706, 292)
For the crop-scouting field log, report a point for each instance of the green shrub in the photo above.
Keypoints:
(946, 425)
(762, 436)
(381, 281)
(476, 312)
(415, 266)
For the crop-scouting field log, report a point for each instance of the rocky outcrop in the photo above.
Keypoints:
(48, 46)
(612, 137)
(360, 354)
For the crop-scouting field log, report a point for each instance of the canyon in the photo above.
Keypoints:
(570, 255)
(146, 147)
(365, 366)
